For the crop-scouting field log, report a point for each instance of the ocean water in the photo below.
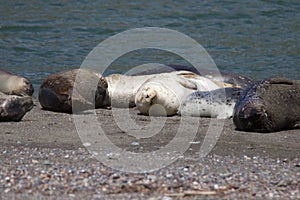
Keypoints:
(256, 38)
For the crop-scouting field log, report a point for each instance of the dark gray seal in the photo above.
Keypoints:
(13, 108)
(269, 105)
(15, 85)
(57, 92)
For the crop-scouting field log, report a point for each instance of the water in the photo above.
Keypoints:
(255, 38)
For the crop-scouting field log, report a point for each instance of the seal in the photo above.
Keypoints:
(269, 105)
(167, 90)
(217, 103)
(13, 108)
(57, 92)
(15, 85)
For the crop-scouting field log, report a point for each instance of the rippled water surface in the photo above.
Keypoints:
(255, 38)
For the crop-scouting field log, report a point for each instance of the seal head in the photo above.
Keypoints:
(13, 108)
(26, 88)
(15, 85)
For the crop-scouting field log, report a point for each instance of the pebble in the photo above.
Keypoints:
(135, 143)
(47, 172)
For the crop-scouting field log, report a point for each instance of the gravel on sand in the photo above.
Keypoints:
(42, 157)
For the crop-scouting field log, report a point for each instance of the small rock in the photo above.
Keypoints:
(135, 143)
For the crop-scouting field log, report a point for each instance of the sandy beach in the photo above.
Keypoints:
(45, 157)
(42, 157)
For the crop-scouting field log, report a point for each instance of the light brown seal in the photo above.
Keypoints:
(15, 85)
(57, 92)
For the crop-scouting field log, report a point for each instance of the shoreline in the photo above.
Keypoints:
(41, 128)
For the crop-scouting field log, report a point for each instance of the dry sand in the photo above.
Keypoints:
(42, 157)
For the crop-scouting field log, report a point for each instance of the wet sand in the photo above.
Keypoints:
(43, 157)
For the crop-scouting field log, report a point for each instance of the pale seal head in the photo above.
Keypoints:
(268, 105)
(155, 99)
(25, 88)
(15, 85)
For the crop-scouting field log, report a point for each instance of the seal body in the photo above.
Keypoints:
(166, 91)
(13, 108)
(15, 85)
(269, 105)
(58, 93)
(217, 103)
(122, 89)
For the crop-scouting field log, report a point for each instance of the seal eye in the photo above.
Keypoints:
(26, 82)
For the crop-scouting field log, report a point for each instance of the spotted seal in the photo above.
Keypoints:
(57, 92)
(13, 108)
(217, 103)
(269, 105)
(167, 90)
(15, 85)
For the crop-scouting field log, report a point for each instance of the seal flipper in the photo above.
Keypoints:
(183, 79)
(188, 84)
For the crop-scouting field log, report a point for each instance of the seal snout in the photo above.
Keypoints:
(13, 108)
(144, 99)
(249, 115)
(147, 95)
(27, 88)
